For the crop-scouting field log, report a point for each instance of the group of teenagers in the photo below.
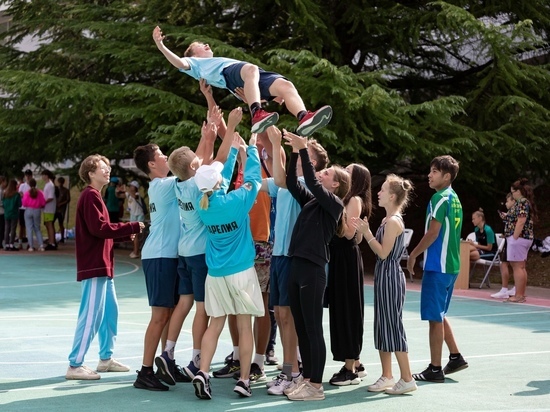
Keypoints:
(201, 251)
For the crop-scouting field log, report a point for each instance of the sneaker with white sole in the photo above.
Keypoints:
(81, 373)
(360, 371)
(402, 387)
(243, 389)
(111, 365)
(381, 384)
(279, 377)
(512, 292)
(313, 121)
(297, 382)
(279, 386)
(307, 392)
(501, 294)
(201, 382)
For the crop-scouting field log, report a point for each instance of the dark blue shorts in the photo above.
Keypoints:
(192, 271)
(233, 80)
(435, 295)
(160, 278)
(278, 282)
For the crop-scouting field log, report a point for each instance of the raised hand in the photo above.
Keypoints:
(158, 37)
(215, 115)
(205, 88)
(361, 225)
(253, 138)
(297, 142)
(235, 118)
(274, 135)
(209, 131)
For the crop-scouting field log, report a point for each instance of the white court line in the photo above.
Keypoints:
(136, 268)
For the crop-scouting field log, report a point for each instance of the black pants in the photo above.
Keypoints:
(306, 284)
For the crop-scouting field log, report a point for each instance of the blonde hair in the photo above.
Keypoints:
(401, 188)
(179, 162)
(320, 154)
(189, 52)
(341, 176)
(205, 200)
(479, 213)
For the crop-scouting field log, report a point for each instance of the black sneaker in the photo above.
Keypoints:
(202, 386)
(257, 374)
(360, 371)
(228, 370)
(430, 375)
(149, 381)
(49, 246)
(228, 358)
(181, 376)
(166, 368)
(345, 377)
(243, 389)
(455, 365)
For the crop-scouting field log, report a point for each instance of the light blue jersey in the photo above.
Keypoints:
(230, 248)
(193, 235)
(287, 212)
(164, 233)
(209, 69)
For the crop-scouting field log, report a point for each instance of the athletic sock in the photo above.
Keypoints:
(196, 357)
(454, 356)
(254, 107)
(236, 355)
(259, 360)
(170, 345)
(301, 114)
(287, 369)
(435, 368)
(146, 369)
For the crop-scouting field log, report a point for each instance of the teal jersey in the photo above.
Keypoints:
(164, 233)
(286, 214)
(443, 255)
(193, 234)
(209, 69)
(229, 247)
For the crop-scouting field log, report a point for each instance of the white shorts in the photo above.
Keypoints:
(237, 294)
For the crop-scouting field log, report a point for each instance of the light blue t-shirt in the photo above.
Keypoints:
(164, 233)
(287, 212)
(193, 235)
(209, 69)
(230, 248)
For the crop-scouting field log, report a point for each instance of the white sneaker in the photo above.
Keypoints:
(134, 255)
(307, 392)
(81, 373)
(30, 249)
(381, 384)
(512, 292)
(402, 387)
(278, 388)
(111, 365)
(275, 381)
(501, 294)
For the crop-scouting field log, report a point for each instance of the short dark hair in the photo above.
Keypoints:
(48, 173)
(143, 155)
(446, 164)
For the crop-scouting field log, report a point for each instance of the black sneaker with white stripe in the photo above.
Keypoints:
(430, 374)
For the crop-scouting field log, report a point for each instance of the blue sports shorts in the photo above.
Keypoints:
(435, 296)
(233, 80)
(161, 275)
(192, 271)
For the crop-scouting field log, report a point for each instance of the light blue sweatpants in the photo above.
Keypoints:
(98, 314)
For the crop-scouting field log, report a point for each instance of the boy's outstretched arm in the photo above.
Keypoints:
(176, 61)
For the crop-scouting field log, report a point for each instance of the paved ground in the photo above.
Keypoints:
(507, 346)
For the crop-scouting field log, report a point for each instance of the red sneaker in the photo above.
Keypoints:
(313, 121)
(262, 120)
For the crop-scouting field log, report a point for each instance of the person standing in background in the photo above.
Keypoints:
(62, 202)
(50, 208)
(12, 203)
(137, 209)
(34, 202)
(22, 189)
(3, 185)
(111, 200)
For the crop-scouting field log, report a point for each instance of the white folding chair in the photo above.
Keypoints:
(494, 262)
(471, 236)
(407, 240)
